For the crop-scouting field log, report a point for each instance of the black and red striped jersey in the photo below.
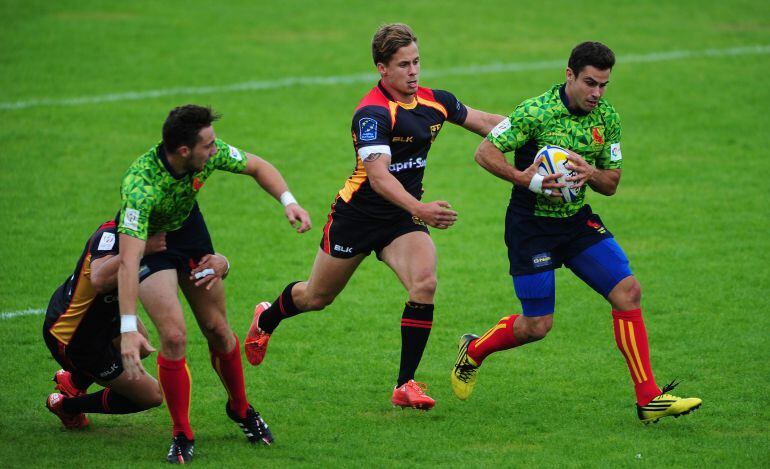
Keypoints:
(405, 132)
(77, 313)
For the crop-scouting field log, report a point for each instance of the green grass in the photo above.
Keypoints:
(691, 214)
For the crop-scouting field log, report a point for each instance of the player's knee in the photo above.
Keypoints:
(424, 287)
(174, 342)
(538, 329)
(319, 301)
(631, 293)
(153, 398)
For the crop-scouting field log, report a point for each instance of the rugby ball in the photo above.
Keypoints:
(554, 159)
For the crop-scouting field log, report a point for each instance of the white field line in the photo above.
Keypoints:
(332, 80)
(24, 312)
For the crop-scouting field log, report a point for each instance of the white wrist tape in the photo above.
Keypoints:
(536, 184)
(227, 270)
(128, 323)
(287, 198)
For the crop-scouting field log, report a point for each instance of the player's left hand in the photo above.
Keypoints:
(298, 217)
(582, 170)
(210, 270)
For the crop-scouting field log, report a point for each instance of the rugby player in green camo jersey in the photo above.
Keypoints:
(542, 232)
(158, 195)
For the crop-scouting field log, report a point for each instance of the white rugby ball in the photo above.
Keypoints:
(554, 159)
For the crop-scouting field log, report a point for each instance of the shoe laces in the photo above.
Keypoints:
(254, 420)
(465, 370)
(417, 386)
(669, 387)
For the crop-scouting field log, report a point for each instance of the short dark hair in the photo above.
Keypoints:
(183, 125)
(591, 53)
(388, 39)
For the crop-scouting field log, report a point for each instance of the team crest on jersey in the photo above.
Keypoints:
(367, 128)
(197, 184)
(598, 134)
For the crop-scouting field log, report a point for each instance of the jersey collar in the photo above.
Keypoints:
(164, 159)
(411, 105)
(565, 102)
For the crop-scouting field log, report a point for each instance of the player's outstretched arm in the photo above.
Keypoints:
(272, 182)
(437, 214)
(480, 122)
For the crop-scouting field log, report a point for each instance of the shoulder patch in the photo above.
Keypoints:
(131, 219)
(106, 242)
(504, 125)
(235, 153)
(367, 129)
(615, 154)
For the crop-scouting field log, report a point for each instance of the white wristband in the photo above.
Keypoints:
(287, 198)
(128, 323)
(536, 184)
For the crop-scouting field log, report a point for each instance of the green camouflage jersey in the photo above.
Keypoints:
(545, 120)
(155, 198)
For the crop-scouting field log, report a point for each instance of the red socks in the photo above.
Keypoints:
(631, 338)
(175, 381)
(229, 367)
(500, 337)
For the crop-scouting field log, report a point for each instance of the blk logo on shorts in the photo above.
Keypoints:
(542, 260)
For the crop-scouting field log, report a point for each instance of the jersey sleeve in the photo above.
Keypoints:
(104, 243)
(137, 199)
(456, 111)
(371, 131)
(515, 130)
(228, 158)
(611, 157)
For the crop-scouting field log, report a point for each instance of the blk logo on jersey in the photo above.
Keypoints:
(367, 129)
(197, 184)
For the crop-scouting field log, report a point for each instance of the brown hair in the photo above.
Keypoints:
(183, 124)
(388, 39)
(595, 54)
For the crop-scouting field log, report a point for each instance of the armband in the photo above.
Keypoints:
(287, 199)
(128, 323)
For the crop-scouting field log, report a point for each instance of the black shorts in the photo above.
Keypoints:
(184, 247)
(345, 236)
(98, 359)
(537, 244)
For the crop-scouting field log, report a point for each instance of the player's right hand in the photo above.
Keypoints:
(132, 346)
(298, 217)
(549, 184)
(437, 214)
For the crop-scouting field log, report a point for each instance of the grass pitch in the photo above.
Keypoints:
(86, 86)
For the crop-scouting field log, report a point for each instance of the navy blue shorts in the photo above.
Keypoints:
(538, 244)
(184, 247)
